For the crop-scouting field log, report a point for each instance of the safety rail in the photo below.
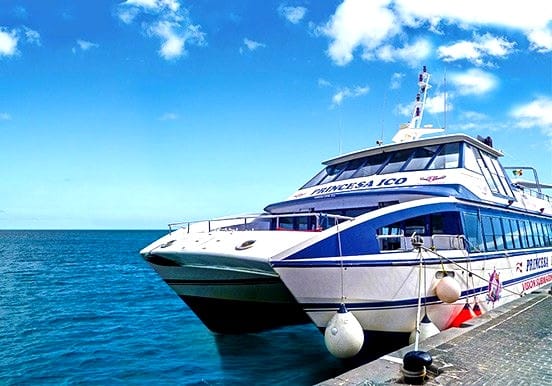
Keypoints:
(292, 221)
(537, 194)
(400, 242)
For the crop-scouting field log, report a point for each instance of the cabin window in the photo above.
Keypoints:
(448, 157)
(488, 233)
(316, 179)
(518, 234)
(486, 172)
(506, 189)
(351, 168)
(527, 242)
(332, 172)
(296, 223)
(397, 161)
(470, 159)
(537, 233)
(498, 233)
(421, 158)
(509, 234)
(472, 232)
(390, 237)
(415, 225)
(372, 165)
(547, 234)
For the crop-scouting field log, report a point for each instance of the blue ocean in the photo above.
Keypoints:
(82, 307)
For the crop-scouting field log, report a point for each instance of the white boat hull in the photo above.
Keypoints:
(230, 290)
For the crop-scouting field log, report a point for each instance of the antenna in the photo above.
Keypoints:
(445, 98)
(413, 130)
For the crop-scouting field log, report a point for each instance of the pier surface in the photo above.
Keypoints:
(511, 345)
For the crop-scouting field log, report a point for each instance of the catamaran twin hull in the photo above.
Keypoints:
(221, 270)
(493, 234)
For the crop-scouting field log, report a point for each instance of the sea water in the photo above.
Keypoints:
(82, 307)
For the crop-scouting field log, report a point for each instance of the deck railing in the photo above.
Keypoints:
(294, 222)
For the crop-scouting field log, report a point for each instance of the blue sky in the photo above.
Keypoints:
(133, 114)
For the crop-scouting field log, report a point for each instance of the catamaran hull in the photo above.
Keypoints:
(383, 294)
(232, 301)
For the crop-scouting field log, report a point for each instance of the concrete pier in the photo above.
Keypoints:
(511, 345)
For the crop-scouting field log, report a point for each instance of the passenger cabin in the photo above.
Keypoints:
(365, 180)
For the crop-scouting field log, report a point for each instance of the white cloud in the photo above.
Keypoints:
(169, 117)
(411, 54)
(359, 24)
(323, 83)
(535, 114)
(473, 82)
(86, 45)
(292, 14)
(474, 116)
(252, 45)
(436, 103)
(5, 117)
(396, 80)
(8, 42)
(346, 92)
(173, 5)
(372, 26)
(31, 36)
(166, 20)
(477, 50)
(525, 16)
(173, 38)
(541, 40)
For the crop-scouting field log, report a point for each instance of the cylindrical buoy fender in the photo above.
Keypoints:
(427, 329)
(448, 289)
(344, 336)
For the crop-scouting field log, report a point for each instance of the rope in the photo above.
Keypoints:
(341, 257)
(465, 269)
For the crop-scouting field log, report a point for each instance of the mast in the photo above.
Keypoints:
(418, 110)
(412, 130)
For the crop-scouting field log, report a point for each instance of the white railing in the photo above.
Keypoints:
(400, 242)
(293, 222)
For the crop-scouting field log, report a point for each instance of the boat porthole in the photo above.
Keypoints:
(245, 245)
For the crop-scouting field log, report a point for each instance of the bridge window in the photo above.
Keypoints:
(448, 157)
(421, 158)
(372, 165)
(397, 161)
(351, 168)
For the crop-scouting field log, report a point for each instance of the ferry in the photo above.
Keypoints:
(364, 232)
(439, 226)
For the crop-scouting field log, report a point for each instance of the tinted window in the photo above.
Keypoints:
(397, 161)
(372, 165)
(421, 158)
(447, 158)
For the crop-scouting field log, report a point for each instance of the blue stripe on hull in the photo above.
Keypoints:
(413, 302)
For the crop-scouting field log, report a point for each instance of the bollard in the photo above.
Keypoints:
(414, 366)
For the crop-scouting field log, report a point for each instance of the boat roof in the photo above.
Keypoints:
(437, 140)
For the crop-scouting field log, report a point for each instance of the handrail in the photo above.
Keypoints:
(231, 223)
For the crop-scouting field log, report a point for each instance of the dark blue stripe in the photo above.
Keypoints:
(338, 262)
(442, 190)
(253, 281)
(413, 302)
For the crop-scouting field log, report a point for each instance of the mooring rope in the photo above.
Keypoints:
(429, 250)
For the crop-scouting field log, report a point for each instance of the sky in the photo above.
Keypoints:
(132, 114)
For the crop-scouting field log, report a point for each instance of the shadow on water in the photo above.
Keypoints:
(291, 352)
